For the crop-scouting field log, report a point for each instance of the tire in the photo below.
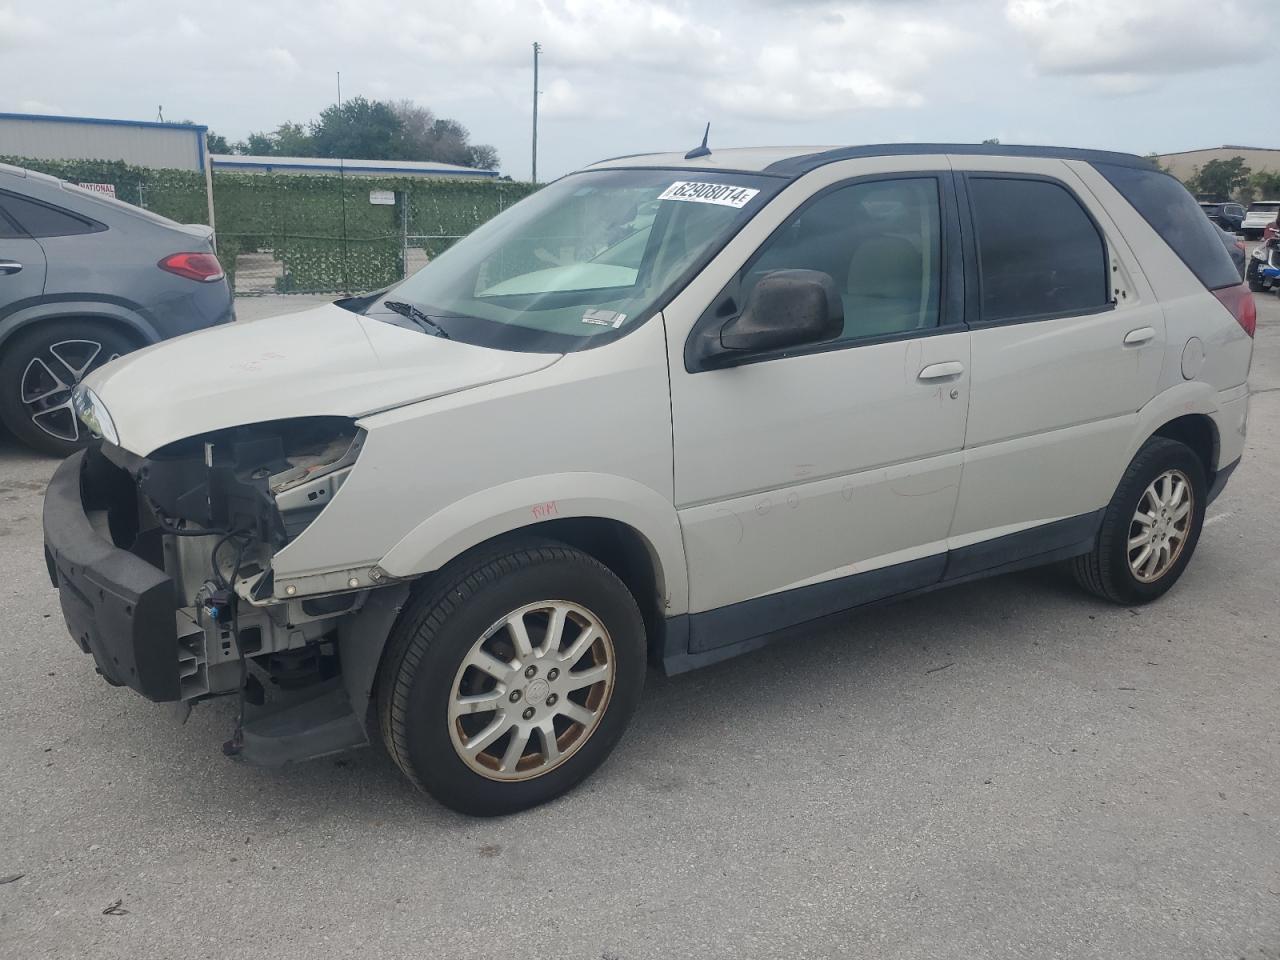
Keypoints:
(1251, 276)
(63, 349)
(429, 661)
(1111, 570)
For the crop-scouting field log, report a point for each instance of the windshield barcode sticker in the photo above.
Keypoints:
(604, 318)
(724, 194)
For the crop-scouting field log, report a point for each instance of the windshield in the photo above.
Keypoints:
(582, 261)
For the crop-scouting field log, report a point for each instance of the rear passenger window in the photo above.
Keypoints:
(1173, 213)
(1039, 254)
(42, 220)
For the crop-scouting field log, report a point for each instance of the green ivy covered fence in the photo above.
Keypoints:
(298, 233)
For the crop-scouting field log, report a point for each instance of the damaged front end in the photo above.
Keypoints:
(164, 569)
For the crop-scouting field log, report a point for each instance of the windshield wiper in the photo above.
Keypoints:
(409, 311)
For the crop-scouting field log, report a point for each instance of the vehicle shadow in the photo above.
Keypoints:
(872, 658)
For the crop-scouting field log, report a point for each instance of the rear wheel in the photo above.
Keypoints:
(1150, 528)
(38, 371)
(512, 677)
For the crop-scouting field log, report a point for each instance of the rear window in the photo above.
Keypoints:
(1174, 214)
(42, 220)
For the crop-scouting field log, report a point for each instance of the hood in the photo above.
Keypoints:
(321, 362)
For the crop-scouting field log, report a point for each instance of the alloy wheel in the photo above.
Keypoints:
(531, 690)
(50, 377)
(1160, 525)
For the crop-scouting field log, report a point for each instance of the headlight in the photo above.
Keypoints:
(93, 414)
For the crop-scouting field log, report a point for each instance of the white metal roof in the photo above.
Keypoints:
(229, 161)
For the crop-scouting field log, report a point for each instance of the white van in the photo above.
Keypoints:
(659, 411)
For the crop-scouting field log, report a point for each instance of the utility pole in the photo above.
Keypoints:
(537, 48)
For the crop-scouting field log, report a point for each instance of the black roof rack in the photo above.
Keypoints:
(798, 165)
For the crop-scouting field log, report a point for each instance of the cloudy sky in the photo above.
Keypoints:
(625, 76)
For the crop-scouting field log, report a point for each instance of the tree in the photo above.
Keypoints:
(424, 136)
(1220, 178)
(257, 145)
(293, 140)
(217, 143)
(482, 157)
(368, 129)
(372, 130)
(1265, 184)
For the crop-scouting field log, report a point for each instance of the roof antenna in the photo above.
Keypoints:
(703, 150)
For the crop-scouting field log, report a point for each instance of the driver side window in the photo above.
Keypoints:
(879, 241)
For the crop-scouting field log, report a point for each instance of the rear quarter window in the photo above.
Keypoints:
(43, 220)
(1174, 214)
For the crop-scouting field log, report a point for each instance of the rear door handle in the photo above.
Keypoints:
(1140, 336)
(9, 266)
(941, 371)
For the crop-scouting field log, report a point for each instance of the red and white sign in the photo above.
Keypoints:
(108, 188)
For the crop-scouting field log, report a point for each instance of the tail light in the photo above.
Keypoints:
(203, 267)
(1239, 301)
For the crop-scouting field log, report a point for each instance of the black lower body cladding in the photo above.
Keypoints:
(118, 607)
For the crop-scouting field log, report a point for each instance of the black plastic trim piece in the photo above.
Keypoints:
(1220, 480)
(994, 555)
(117, 606)
(763, 615)
(699, 639)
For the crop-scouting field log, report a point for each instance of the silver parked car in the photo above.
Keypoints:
(85, 278)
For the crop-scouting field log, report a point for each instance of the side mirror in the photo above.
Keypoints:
(786, 308)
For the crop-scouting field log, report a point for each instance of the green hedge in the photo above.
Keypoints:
(323, 243)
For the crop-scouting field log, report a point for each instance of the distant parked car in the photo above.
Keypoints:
(1258, 216)
(1228, 216)
(85, 278)
(1235, 247)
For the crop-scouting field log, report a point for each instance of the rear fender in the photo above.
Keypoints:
(123, 315)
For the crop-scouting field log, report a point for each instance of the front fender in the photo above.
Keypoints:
(521, 503)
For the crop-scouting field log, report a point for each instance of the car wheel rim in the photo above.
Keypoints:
(1160, 525)
(48, 380)
(531, 691)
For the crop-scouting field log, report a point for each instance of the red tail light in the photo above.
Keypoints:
(194, 266)
(1239, 301)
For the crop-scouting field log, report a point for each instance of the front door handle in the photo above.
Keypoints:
(1140, 336)
(9, 266)
(941, 371)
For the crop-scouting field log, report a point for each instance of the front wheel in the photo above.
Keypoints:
(512, 677)
(1151, 527)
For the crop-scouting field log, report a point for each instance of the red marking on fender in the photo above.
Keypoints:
(549, 509)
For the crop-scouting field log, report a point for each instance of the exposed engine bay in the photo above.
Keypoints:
(211, 512)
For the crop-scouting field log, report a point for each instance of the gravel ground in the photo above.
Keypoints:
(1007, 769)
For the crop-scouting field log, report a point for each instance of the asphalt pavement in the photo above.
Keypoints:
(1006, 769)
